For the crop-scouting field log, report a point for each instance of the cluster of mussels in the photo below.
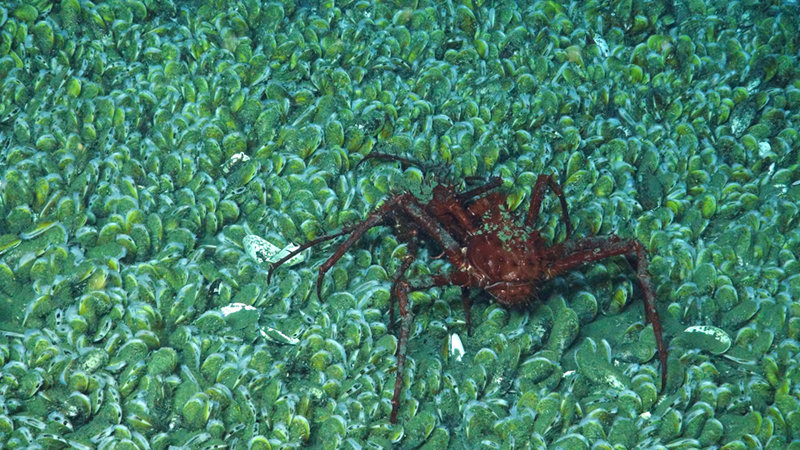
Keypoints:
(143, 143)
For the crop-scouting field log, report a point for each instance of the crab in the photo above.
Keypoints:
(488, 247)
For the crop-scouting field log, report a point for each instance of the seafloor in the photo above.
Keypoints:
(142, 141)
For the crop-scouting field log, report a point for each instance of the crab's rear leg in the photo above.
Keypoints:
(569, 255)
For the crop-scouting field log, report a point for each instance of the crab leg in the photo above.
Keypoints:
(409, 205)
(431, 226)
(456, 278)
(401, 288)
(374, 218)
(400, 273)
(536, 201)
(308, 244)
(476, 191)
(573, 254)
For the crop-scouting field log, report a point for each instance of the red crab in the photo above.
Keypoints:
(489, 247)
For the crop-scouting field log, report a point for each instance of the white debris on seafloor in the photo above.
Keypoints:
(262, 250)
(235, 158)
(708, 338)
(456, 347)
(602, 45)
(274, 335)
(268, 333)
(236, 307)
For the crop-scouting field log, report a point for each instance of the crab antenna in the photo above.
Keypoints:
(476, 191)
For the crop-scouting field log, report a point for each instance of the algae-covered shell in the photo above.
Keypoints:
(585, 306)
(78, 407)
(711, 433)
(726, 297)
(299, 428)
(646, 389)
(670, 426)
(162, 361)
(696, 418)
(49, 440)
(537, 368)
(564, 331)
(594, 362)
(548, 411)
(197, 410)
(211, 365)
(479, 419)
(706, 337)
(572, 440)
(130, 377)
(221, 394)
(259, 442)
(229, 374)
(419, 428)
(94, 359)
(742, 116)
(133, 351)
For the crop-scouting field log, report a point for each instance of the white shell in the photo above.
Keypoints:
(277, 336)
(233, 160)
(456, 347)
(602, 45)
(235, 307)
(262, 250)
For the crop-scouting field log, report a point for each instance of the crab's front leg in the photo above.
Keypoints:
(373, 219)
(537, 194)
(569, 255)
(406, 205)
(409, 237)
(401, 289)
